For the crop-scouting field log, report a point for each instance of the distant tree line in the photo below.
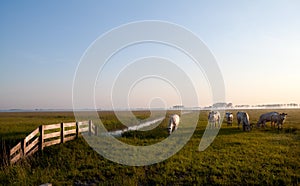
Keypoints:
(230, 105)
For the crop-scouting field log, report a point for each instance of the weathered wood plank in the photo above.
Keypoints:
(52, 126)
(83, 123)
(69, 138)
(92, 131)
(15, 148)
(73, 131)
(83, 126)
(31, 145)
(73, 124)
(51, 135)
(86, 129)
(50, 143)
(33, 150)
(16, 158)
(31, 135)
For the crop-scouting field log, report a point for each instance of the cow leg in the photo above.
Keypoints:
(279, 125)
(244, 126)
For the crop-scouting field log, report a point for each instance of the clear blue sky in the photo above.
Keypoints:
(256, 44)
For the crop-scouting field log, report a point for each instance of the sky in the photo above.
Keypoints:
(256, 45)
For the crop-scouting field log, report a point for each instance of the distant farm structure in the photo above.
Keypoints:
(178, 107)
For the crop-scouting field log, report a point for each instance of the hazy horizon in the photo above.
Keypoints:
(237, 106)
(256, 45)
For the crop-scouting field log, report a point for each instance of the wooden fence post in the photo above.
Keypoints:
(41, 137)
(77, 129)
(96, 130)
(90, 127)
(23, 147)
(6, 153)
(62, 133)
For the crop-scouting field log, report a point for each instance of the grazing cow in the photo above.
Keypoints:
(266, 118)
(243, 117)
(278, 119)
(229, 118)
(173, 123)
(214, 118)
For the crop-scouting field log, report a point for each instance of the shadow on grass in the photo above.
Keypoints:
(223, 131)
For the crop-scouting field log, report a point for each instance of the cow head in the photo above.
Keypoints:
(282, 117)
(169, 129)
(211, 116)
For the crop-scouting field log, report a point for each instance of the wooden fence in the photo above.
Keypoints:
(47, 135)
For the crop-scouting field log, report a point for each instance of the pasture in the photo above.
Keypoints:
(262, 156)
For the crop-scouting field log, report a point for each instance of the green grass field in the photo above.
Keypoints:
(259, 157)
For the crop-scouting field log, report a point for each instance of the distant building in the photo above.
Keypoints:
(178, 107)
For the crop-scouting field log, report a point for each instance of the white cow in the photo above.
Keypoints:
(214, 119)
(173, 123)
(243, 117)
(229, 118)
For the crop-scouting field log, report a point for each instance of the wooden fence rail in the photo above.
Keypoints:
(48, 135)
